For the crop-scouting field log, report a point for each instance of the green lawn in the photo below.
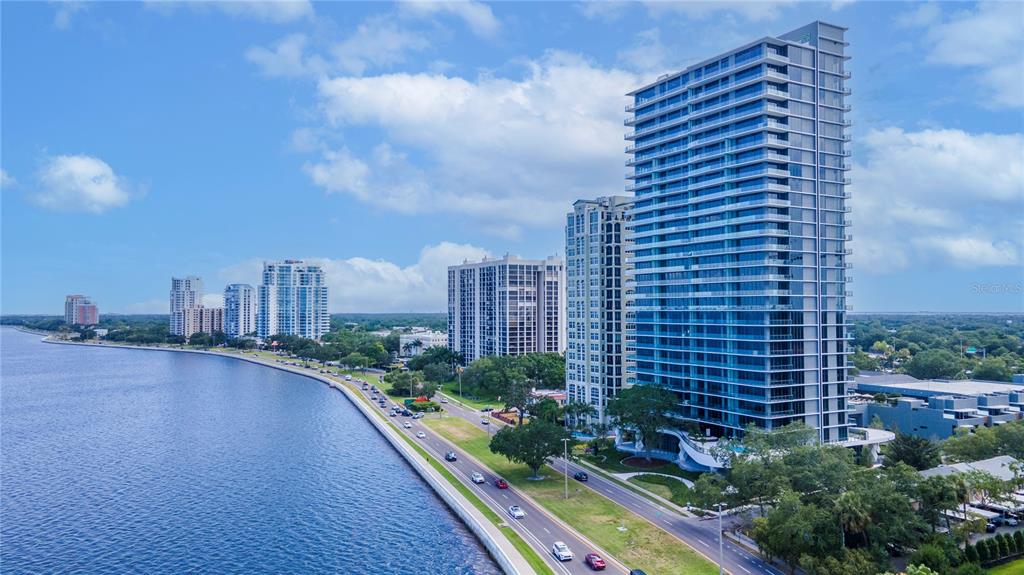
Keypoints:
(640, 545)
(451, 388)
(672, 489)
(610, 461)
(1011, 568)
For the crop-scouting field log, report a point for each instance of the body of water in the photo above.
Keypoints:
(128, 461)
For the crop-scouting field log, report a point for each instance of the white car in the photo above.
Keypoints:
(484, 422)
(348, 378)
(1011, 521)
(420, 434)
(444, 400)
(561, 551)
(407, 425)
(516, 512)
(477, 477)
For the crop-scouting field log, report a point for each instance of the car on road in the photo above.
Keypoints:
(444, 400)
(484, 421)
(420, 434)
(393, 414)
(500, 483)
(561, 551)
(580, 476)
(365, 387)
(516, 512)
(636, 572)
(406, 412)
(595, 562)
(477, 477)
(418, 416)
(488, 408)
(348, 378)
(450, 456)
(407, 425)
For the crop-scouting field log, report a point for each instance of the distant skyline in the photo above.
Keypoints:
(388, 141)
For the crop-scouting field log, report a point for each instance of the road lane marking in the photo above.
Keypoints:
(704, 543)
(546, 530)
(745, 569)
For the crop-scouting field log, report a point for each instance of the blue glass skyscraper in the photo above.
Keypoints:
(739, 233)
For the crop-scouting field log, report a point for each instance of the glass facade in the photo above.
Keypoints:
(292, 300)
(739, 233)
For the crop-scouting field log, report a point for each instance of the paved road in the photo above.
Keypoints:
(538, 528)
(701, 535)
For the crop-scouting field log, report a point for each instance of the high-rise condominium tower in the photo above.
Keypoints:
(740, 235)
(293, 300)
(507, 306)
(80, 310)
(595, 251)
(186, 293)
(239, 310)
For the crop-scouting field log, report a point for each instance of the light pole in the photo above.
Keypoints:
(565, 464)
(721, 554)
(458, 369)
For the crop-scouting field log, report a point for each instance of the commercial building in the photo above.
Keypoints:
(739, 232)
(186, 293)
(595, 253)
(202, 319)
(293, 300)
(240, 304)
(80, 310)
(934, 409)
(507, 306)
(416, 342)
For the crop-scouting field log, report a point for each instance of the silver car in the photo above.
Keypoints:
(561, 551)
(477, 477)
(516, 512)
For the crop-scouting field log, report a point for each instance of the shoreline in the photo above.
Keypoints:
(498, 546)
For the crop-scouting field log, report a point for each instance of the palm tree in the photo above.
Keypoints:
(576, 410)
(852, 514)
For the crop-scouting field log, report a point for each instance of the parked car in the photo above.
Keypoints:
(450, 456)
(421, 435)
(990, 527)
(595, 562)
(516, 512)
(561, 551)
(580, 476)
(1011, 521)
(501, 483)
(477, 477)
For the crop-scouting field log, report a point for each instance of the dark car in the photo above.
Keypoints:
(406, 412)
(501, 483)
(595, 562)
(450, 456)
(636, 572)
(580, 476)
(990, 528)
(488, 408)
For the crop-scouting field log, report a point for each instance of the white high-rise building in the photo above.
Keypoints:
(507, 306)
(293, 300)
(240, 304)
(186, 293)
(595, 249)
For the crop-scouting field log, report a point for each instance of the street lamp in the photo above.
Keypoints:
(565, 464)
(458, 370)
(721, 553)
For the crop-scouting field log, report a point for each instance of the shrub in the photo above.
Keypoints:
(971, 553)
(981, 549)
(932, 556)
(1004, 549)
(424, 406)
(1018, 536)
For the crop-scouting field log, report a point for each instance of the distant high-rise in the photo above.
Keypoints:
(595, 253)
(186, 293)
(509, 306)
(240, 305)
(208, 320)
(739, 234)
(80, 310)
(293, 300)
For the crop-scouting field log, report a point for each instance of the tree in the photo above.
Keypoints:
(403, 382)
(933, 363)
(644, 409)
(792, 530)
(937, 494)
(200, 339)
(876, 423)
(546, 409)
(436, 372)
(544, 370)
(917, 452)
(577, 410)
(356, 360)
(531, 444)
(851, 514)
(971, 553)
(931, 556)
(709, 490)
(849, 562)
(993, 369)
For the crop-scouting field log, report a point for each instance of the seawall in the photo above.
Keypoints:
(497, 544)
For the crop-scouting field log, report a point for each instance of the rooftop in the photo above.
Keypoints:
(906, 385)
(1000, 466)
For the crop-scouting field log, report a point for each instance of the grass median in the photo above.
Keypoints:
(630, 538)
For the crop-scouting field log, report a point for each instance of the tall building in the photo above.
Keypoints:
(292, 300)
(507, 306)
(739, 236)
(240, 305)
(186, 292)
(595, 253)
(80, 310)
(202, 319)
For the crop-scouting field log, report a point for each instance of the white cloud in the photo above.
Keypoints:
(66, 10)
(647, 54)
(7, 180)
(81, 184)
(376, 42)
(273, 11)
(601, 10)
(213, 300)
(287, 58)
(938, 197)
(503, 150)
(985, 38)
(367, 285)
(478, 16)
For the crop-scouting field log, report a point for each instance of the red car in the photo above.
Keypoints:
(595, 562)
(501, 483)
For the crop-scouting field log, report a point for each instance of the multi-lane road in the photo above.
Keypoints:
(538, 528)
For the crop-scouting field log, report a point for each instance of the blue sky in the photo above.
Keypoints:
(141, 141)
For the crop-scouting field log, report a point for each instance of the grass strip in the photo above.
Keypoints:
(627, 536)
(672, 489)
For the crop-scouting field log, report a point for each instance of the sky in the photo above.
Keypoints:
(141, 141)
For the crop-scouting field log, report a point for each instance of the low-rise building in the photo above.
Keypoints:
(416, 342)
